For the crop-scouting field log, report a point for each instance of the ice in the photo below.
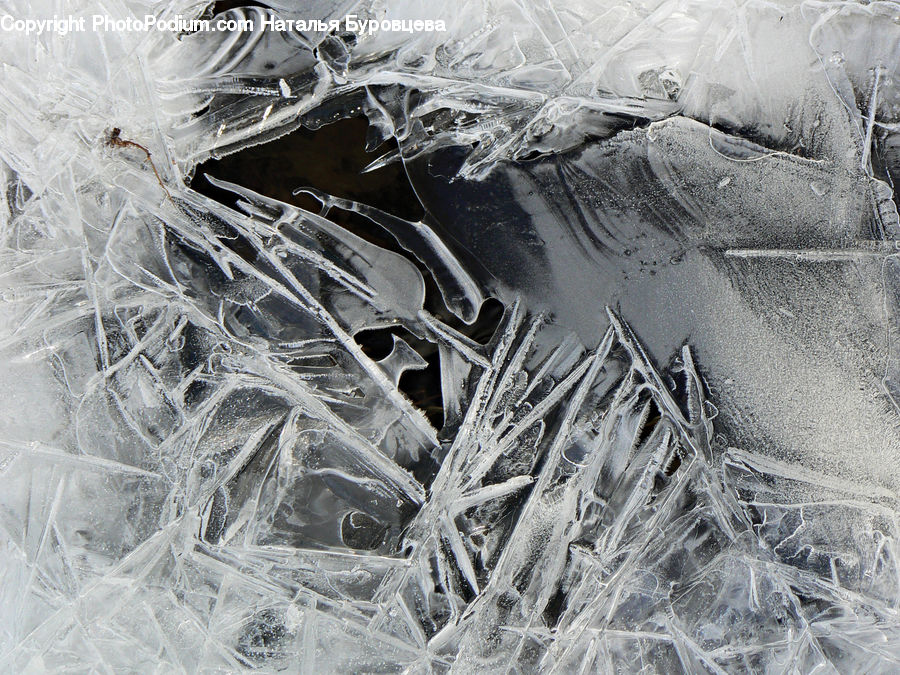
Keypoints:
(675, 452)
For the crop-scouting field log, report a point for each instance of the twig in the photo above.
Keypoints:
(116, 141)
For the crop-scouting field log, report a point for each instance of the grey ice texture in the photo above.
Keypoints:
(679, 452)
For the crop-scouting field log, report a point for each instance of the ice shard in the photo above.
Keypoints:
(646, 290)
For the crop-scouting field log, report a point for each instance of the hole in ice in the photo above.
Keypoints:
(422, 387)
(361, 531)
(653, 418)
(482, 329)
(330, 158)
(225, 5)
(673, 464)
(555, 607)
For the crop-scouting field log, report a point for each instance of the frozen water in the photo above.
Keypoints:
(677, 452)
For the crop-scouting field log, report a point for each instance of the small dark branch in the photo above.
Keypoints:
(115, 140)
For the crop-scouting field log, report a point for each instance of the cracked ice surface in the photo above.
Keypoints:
(677, 453)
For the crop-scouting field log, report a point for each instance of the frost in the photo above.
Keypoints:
(676, 452)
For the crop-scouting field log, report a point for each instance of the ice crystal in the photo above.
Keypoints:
(677, 452)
